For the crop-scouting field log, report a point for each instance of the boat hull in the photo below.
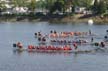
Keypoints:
(55, 51)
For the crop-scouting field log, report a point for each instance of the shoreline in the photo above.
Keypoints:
(66, 19)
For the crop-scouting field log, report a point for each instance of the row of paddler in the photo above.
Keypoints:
(44, 47)
(78, 42)
(52, 47)
(101, 44)
(61, 34)
(62, 41)
(69, 41)
(49, 47)
(67, 34)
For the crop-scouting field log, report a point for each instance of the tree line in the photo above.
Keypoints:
(96, 6)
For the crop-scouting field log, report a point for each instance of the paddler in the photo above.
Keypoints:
(19, 45)
(90, 32)
(39, 34)
(44, 39)
(102, 44)
(107, 32)
(35, 34)
(75, 45)
(55, 32)
(92, 39)
(51, 31)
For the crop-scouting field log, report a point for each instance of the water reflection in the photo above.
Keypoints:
(17, 52)
(74, 54)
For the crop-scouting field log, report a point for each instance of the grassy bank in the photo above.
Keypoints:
(79, 18)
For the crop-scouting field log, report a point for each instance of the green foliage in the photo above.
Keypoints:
(102, 8)
(49, 3)
(2, 6)
(105, 14)
(58, 5)
(19, 3)
(32, 5)
(83, 3)
(95, 6)
(99, 7)
(40, 4)
(106, 1)
(31, 14)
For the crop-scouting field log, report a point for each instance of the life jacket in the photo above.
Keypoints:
(29, 47)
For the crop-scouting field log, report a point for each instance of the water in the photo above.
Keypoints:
(24, 61)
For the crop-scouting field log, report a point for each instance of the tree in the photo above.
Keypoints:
(58, 6)
(106, 1)
(2, 6)
(95, 6)
(49, 4)
(32, 5)
(82, 3)
(102, 7)
(19, 3)
(99, 7)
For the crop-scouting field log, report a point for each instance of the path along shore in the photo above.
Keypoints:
(56, 19)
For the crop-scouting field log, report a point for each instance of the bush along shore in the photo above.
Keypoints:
(55, 18)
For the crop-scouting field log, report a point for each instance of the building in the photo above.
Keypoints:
(80, 10)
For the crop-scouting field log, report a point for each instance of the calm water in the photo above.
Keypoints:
(24, 61)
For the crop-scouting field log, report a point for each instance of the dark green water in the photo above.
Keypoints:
(24, 61)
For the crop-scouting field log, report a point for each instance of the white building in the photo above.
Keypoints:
(20, 10)
(80, 10)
